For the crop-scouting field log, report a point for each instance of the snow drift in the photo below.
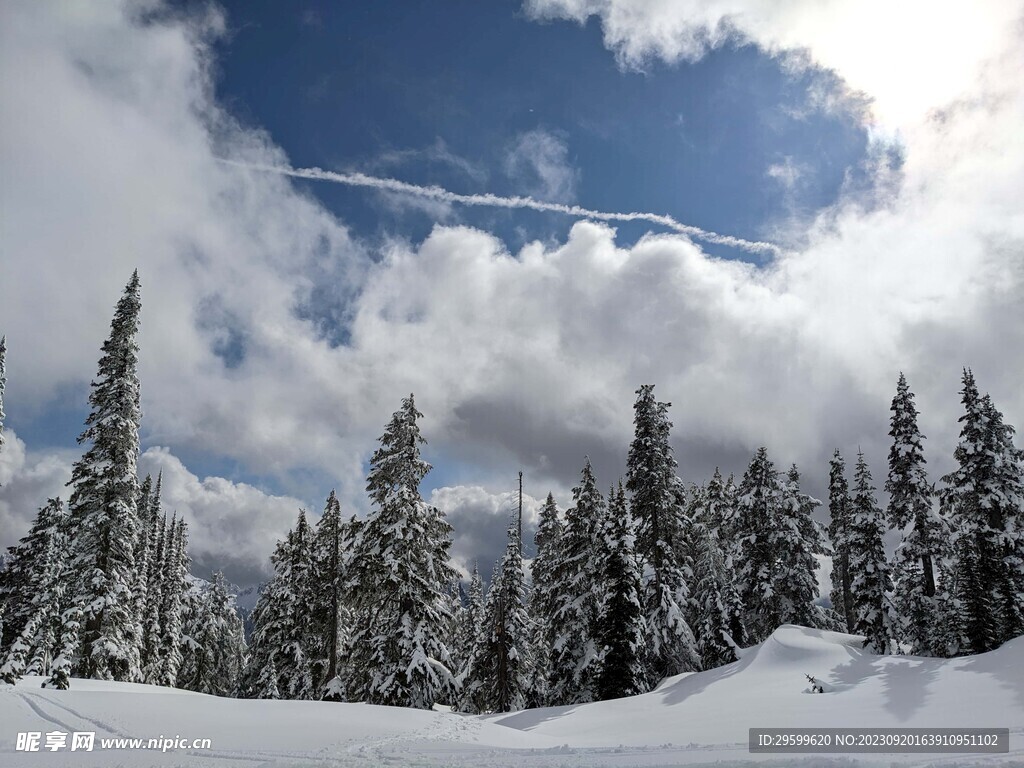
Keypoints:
(689, 719)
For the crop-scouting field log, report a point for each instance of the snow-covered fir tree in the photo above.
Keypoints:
(219, 643)
(574, 655)
(502, 661)
(800, 539)
(103, 505)
(776, 543)
(910, 507)
(333, 541)
(758, 513)
(840, 509)
(152, 623)
(397, 653)
(870, 584)
(175, 585)
(947, 638)
(21, 580)
(621, 631)
(474, 607)
(1009, 485)
(543, 601)
(471, 682)
(266, 682)
(142, 555)
(43, 598)
(719, 621)
(281, 618)
(657, 501)
(985, 500)
(718, 513)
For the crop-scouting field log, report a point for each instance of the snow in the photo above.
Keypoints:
(690, 719)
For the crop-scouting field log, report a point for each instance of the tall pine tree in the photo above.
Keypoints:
(910, 507)
(504, 659)
(621, 630)
(103, 505)
(800, 539)
(1009, 485)
(397, 654)
(719, 621)
(840, 510)
(332, 546)
(544, 597)
(984, 498)
(575, 656)
(219, 642)
(40, 599)
(657, 501)
(870, 583)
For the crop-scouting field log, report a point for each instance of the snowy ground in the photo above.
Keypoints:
(689, 720)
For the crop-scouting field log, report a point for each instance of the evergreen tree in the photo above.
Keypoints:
(758, 506)
(985, 498)
(1009, 485)
(840, 509)
(471, 682)
(175, 584)
(104, 516)
(575, 657)
(22, 579)
(719, 515)
(543, 597)
(869, 569)
(36, 645)
(282, 621)
(948, 639)
(621, 630)
(152, 621)
(67, 648)
(397, 654)
(141, 580)
(719, 609)
(657, 504)
(776, 544)
(266, 684)
(910, 504)
(800, 539)
(503, 658)
(332, 543)
(219, 642)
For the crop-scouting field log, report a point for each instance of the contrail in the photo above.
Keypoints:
(516, 201)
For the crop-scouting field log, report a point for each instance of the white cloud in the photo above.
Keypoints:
(232, 526)
(27, 480)
(108, 138)
(908, 57)
(539, 159)
(481, 520)
(787, 173)
(437, 153)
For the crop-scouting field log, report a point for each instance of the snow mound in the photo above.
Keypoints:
(767, 688)
(700, 717)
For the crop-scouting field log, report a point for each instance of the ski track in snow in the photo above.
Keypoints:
(27, 698)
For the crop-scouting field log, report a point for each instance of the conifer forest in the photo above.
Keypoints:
(639, 578)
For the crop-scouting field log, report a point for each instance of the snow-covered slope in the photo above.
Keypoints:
(767, 687)
(689, 719)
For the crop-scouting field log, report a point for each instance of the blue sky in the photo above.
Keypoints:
(436, 95)
(284, 319)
